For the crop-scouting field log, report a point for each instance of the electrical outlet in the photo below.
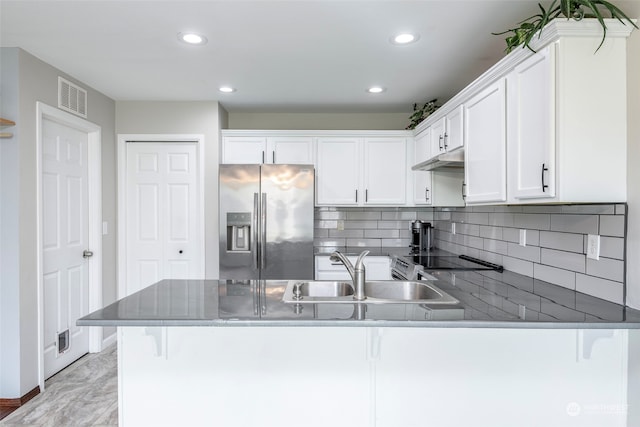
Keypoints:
(523, 237)
(593, 246)
(340, 225)
(453, 228)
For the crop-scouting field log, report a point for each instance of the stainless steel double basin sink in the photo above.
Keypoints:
(377, 292)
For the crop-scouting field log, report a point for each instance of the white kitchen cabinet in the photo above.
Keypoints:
(361, 171)
(243, 149)
(377, 268)
(255, 148)
(566, 123)
(530, 127)
(338, 171)
(385, 168)
(485, 145)
(433, 188)
(447, 133)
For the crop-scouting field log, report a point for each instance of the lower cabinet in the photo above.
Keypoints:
(373, 376)
(377, 268)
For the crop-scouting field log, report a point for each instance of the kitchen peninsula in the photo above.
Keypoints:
(514, 351)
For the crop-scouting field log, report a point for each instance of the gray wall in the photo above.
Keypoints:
(633, 160)
(38, 81)
(199, 117)
(9, 214)
(320, 121)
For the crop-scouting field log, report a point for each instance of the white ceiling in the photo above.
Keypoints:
(285, 56)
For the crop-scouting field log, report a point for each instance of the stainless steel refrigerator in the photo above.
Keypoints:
(266, 221)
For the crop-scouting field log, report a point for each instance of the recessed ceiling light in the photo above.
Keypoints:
(376, 89)
(226, 89)
(404, 38)
(192, 38)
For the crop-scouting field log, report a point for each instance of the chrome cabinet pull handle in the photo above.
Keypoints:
(356, 196)
(426, 194)
(464, 195)
(544, 186)
(440, 138)
(263, 157)
(446, 139)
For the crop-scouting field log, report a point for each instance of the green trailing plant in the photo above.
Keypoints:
(419, 114)
(570, 9)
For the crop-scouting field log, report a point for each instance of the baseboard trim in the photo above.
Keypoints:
(109, 341)
(19, 401)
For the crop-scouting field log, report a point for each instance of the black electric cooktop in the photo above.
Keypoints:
(451, 262)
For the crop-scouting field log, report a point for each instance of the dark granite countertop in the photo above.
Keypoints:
(488, 299)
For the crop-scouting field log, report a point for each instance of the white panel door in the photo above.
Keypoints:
(290, 150)
(162, 220)
(244, 150)
(422, 189)
(65, 238)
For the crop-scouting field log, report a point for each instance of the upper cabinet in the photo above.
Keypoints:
(447, 132)
(254, 147)
(486, 149)
(361, 171)
(544, 126)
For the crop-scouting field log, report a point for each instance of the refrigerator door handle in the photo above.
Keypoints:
(255, 249)
(263, 232)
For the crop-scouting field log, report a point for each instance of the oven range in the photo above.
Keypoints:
(407, 267)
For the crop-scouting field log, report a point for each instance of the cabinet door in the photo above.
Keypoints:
(485, 145)
(421, 180)
(385, 171)
(437, 137)
(290, 150)
(338, 171)
(243, 150)
(453, 137)
(530, 124)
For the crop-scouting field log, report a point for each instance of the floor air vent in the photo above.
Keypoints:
(72, 98)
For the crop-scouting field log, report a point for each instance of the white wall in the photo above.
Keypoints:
(199, 117)
(319, 121)
(633, 162)
(38, 81)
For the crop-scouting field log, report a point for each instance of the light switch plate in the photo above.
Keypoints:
(453, 228)
(593, 246)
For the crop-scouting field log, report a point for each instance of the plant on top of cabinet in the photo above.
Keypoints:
(570, 9)
(419, 114)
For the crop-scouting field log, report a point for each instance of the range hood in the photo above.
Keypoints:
(453, 161)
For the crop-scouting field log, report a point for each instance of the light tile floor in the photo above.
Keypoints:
(83, 394)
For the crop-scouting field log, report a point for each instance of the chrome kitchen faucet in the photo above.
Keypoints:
(357, 273)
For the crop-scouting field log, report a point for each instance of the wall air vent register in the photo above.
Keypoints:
(72, 98)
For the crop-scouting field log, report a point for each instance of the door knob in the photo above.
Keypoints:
(87, 254)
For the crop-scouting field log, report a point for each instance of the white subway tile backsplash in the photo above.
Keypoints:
(612, 269)
(601, 288)
(557, 276)
(611, 247)
(565, 260)
(554, 252)
(529, 253)
(382, 234)
(496, 246)
(612, 225)
(518, 265)
(356, 233)
(589, 209)
(491, 232)
(533, 221)
(562, 241)
(363, 215)
(586, 224)
(399, 215)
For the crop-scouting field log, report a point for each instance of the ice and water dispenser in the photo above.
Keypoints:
(238, 231)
